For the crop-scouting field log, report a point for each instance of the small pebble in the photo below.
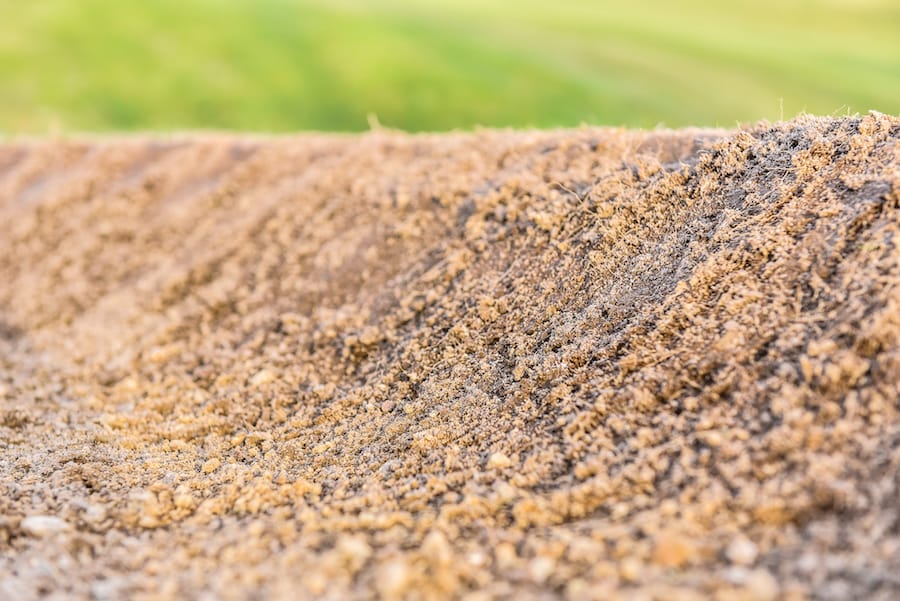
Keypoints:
(393, 579)
(42, 526)
(94, 514)
(498, 461)
(540, 569)
(262, 377)
(762, 586)
(630, 569)
(673, 551)
(741, 552)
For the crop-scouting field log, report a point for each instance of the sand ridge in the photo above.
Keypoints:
(573, 364)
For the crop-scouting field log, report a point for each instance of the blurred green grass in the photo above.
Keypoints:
(283, 65)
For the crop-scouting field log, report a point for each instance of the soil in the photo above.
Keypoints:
(590, 364)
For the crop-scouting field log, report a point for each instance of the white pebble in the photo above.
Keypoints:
(262, 377)
(762, 586)
(94, 514)
(41, 526)
(741, 552)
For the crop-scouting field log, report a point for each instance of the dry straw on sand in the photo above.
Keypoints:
(588, 364)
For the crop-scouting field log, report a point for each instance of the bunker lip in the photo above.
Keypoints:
(577, 364)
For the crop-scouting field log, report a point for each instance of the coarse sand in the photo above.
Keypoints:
(590, 364)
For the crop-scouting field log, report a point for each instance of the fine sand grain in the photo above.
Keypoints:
(591, 364)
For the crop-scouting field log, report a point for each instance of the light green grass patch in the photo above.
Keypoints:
(283, 65)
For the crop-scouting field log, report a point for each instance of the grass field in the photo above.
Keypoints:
(278, 65)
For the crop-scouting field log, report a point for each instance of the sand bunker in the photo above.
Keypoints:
(590, 364)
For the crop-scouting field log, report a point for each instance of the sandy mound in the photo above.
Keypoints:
(521, 365)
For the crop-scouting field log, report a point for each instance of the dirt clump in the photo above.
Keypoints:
(591, 364)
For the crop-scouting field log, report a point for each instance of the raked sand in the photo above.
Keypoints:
(589, 364)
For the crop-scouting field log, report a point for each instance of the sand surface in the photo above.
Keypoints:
(592, 364)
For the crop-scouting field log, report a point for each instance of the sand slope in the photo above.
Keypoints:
(573, 364)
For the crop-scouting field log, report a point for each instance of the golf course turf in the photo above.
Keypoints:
(288, 65)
